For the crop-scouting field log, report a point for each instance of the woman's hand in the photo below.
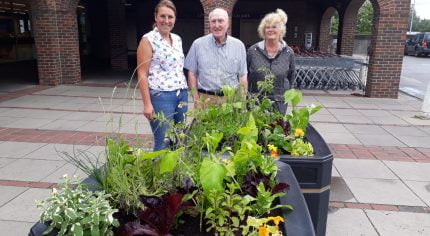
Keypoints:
(148, 112)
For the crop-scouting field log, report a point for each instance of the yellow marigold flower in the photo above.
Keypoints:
(263, 231)
(273, 151)
(276, 219)
(299, 132)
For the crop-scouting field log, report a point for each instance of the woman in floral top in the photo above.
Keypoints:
(161, 79)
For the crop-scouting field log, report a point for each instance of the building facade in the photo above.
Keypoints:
(71, 36)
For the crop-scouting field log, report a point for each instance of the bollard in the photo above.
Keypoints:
(426, 102)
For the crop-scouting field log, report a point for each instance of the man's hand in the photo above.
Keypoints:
(148, 112)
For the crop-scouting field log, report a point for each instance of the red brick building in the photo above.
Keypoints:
(71, 35)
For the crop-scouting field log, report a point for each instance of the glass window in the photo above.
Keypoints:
(21, 26)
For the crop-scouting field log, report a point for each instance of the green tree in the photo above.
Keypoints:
(334, 23)
(419, 25)
(365, 18)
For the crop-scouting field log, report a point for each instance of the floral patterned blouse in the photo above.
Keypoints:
(166, 70)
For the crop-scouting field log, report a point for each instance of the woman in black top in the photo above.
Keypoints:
(274, 54)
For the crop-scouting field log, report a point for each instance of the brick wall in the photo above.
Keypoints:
(348, 24)
(56, 38)
(325, 38)
(117, 35)
(388, 38)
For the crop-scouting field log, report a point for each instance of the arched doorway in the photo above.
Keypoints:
(328, 30)
(247, 15)
(17, 48)
(189, 23)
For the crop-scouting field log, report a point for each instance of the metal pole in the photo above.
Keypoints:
(412, 16)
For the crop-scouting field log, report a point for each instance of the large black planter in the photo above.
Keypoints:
(297, 223)
(314, 177)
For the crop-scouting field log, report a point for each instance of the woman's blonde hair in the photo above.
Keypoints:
(274, 18)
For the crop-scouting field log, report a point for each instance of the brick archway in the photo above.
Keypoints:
(209, 5)
(386, 54)
(57, 43)
(325, 36)
(348, 25)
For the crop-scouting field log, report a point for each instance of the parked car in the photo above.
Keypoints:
(418, 45)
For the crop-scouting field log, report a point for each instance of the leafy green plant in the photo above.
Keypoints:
(78, 211)
(298, 118)
(226, 210)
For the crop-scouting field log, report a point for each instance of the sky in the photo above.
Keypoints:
(422, 8)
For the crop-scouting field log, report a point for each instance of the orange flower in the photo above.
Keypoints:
(299, 132)
(273, 151)
(263, 231)
(276, 219)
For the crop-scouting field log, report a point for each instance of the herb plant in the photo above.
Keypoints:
(78, 211)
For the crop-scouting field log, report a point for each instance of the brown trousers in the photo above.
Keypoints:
(206, 100)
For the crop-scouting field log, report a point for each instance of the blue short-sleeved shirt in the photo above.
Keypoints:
(216, 65)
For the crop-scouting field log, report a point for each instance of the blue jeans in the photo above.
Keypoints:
(173, 104)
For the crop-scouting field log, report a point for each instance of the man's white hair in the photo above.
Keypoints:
(219, 11)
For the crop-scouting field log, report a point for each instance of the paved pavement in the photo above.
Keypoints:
(415, 75)
(380, 183)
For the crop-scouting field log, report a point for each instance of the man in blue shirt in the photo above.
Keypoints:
(216, 60)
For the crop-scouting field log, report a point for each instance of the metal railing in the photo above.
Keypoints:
(329, 73)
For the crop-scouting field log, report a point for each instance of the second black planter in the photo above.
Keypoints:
(314, 177)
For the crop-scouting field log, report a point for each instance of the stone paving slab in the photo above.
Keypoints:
(28, 123)
(55, 151)
(64, 125)
(387, 120)
(18, 149)
(347, 112)
(414, 141)
(372, 169)
(15, 228)
(341, 222)
(421, 189)
(23, 207)
(29, 170)
(400, 223)
(340, 138)
(339, 191)
(323, 118)
(410, 170)
(82, 116)
(5, 161)
(330, 128)
(68, 169)
(365, 129)
(7, 193)
(373, 112)
(382, 191)
(379, 139)
(405, 131)
(353, 119)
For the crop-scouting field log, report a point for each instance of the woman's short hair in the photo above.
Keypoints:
(165, 3)
(273, 18)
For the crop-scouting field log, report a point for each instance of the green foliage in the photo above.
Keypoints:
(418, 25)
(264, 201)
(227, 210)
(334, 23)
(301, 148)
(298, 118)
(212, 175)
(365, 18)
(78, 211)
